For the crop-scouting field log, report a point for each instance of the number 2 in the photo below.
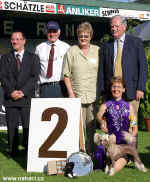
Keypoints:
(56, 133)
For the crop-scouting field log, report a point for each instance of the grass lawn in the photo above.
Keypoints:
(17, 167)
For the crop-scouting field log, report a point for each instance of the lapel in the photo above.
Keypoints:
(12, 63)
(111, 50)
(24, 61)
(125, 51)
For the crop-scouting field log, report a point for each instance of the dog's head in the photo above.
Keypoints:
(104, 139)
(101, 139)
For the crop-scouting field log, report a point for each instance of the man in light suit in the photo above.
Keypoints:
(19, 72)
(133, 62)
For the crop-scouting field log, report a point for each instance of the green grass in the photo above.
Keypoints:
(17, 167)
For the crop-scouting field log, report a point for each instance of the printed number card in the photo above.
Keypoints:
(53, 131)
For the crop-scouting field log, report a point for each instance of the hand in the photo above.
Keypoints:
(104, 128)
(72, 95)
(139, 95)
(17, 94)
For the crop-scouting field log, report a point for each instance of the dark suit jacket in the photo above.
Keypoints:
(24, 80)
(134, 66)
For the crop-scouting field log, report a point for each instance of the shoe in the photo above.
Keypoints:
(2, 111)
(13, 154)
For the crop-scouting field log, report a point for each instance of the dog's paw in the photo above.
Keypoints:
(106, 169)
(143, 168)
(112, 172)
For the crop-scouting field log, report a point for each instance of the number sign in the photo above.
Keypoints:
(53, 132)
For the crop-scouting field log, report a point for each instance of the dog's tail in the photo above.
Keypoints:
(129, 138)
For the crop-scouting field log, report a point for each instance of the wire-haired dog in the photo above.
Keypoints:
(115, 151)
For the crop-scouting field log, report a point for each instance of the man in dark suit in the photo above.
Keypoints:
(133, 64)
(19, 73)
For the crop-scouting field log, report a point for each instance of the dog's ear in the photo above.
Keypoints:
(112, 139)
(97, 138)
(128, 137)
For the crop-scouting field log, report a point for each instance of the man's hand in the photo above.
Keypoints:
(17, 94)
(139, 95)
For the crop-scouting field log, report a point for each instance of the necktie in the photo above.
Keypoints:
(50, 62)
(118, 65)
(18, 62)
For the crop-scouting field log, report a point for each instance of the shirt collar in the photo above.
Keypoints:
(20, 53)
(56, 43)
(122, 38)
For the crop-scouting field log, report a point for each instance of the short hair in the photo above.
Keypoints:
(117, 79)
(19, 31)
(85, 27)
(123, 19)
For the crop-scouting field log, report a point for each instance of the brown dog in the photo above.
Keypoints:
(115, 151)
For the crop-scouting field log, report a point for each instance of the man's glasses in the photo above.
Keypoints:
(115, 26)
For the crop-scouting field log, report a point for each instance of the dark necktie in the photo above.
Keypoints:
(50, 62)
(18, 62)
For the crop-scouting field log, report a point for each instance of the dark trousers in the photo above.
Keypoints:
(13, 115)
(53, 90)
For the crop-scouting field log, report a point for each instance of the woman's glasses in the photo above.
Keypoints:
(83, 36)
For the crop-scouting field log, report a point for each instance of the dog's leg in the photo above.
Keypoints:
(107, 169)
(137, 161)
(140, 166)
(112, 169)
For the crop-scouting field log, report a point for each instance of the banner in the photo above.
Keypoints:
(131, 14)
(50, 8)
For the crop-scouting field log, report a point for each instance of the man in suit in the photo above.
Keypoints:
(133, 63)
(19, 73)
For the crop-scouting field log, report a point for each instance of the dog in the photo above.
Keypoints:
(68, 170)
(115, 151)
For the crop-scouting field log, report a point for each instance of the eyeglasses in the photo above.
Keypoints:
(83, 36)
(116, 87)
(16, 39)
(115, 26)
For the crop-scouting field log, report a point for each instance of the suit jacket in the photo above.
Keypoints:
(134, 66)
(24, 80)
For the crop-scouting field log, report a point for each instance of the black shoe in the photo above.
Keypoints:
(12, 155)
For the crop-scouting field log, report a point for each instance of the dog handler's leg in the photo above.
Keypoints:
(120, 164)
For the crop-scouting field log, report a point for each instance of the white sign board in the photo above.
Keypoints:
(53, 131)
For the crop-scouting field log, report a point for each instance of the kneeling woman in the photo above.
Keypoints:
(114, 117)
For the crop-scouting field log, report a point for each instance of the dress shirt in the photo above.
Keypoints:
(43, 50)
(121, 45)
(20, 55)
(82, 70)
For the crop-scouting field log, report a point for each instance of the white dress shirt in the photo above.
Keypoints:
(43, 50)
(121, 44)
(20, 55)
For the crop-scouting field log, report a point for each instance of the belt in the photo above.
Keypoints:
(52, 83)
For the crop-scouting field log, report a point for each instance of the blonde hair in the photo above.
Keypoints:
(85, 27)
